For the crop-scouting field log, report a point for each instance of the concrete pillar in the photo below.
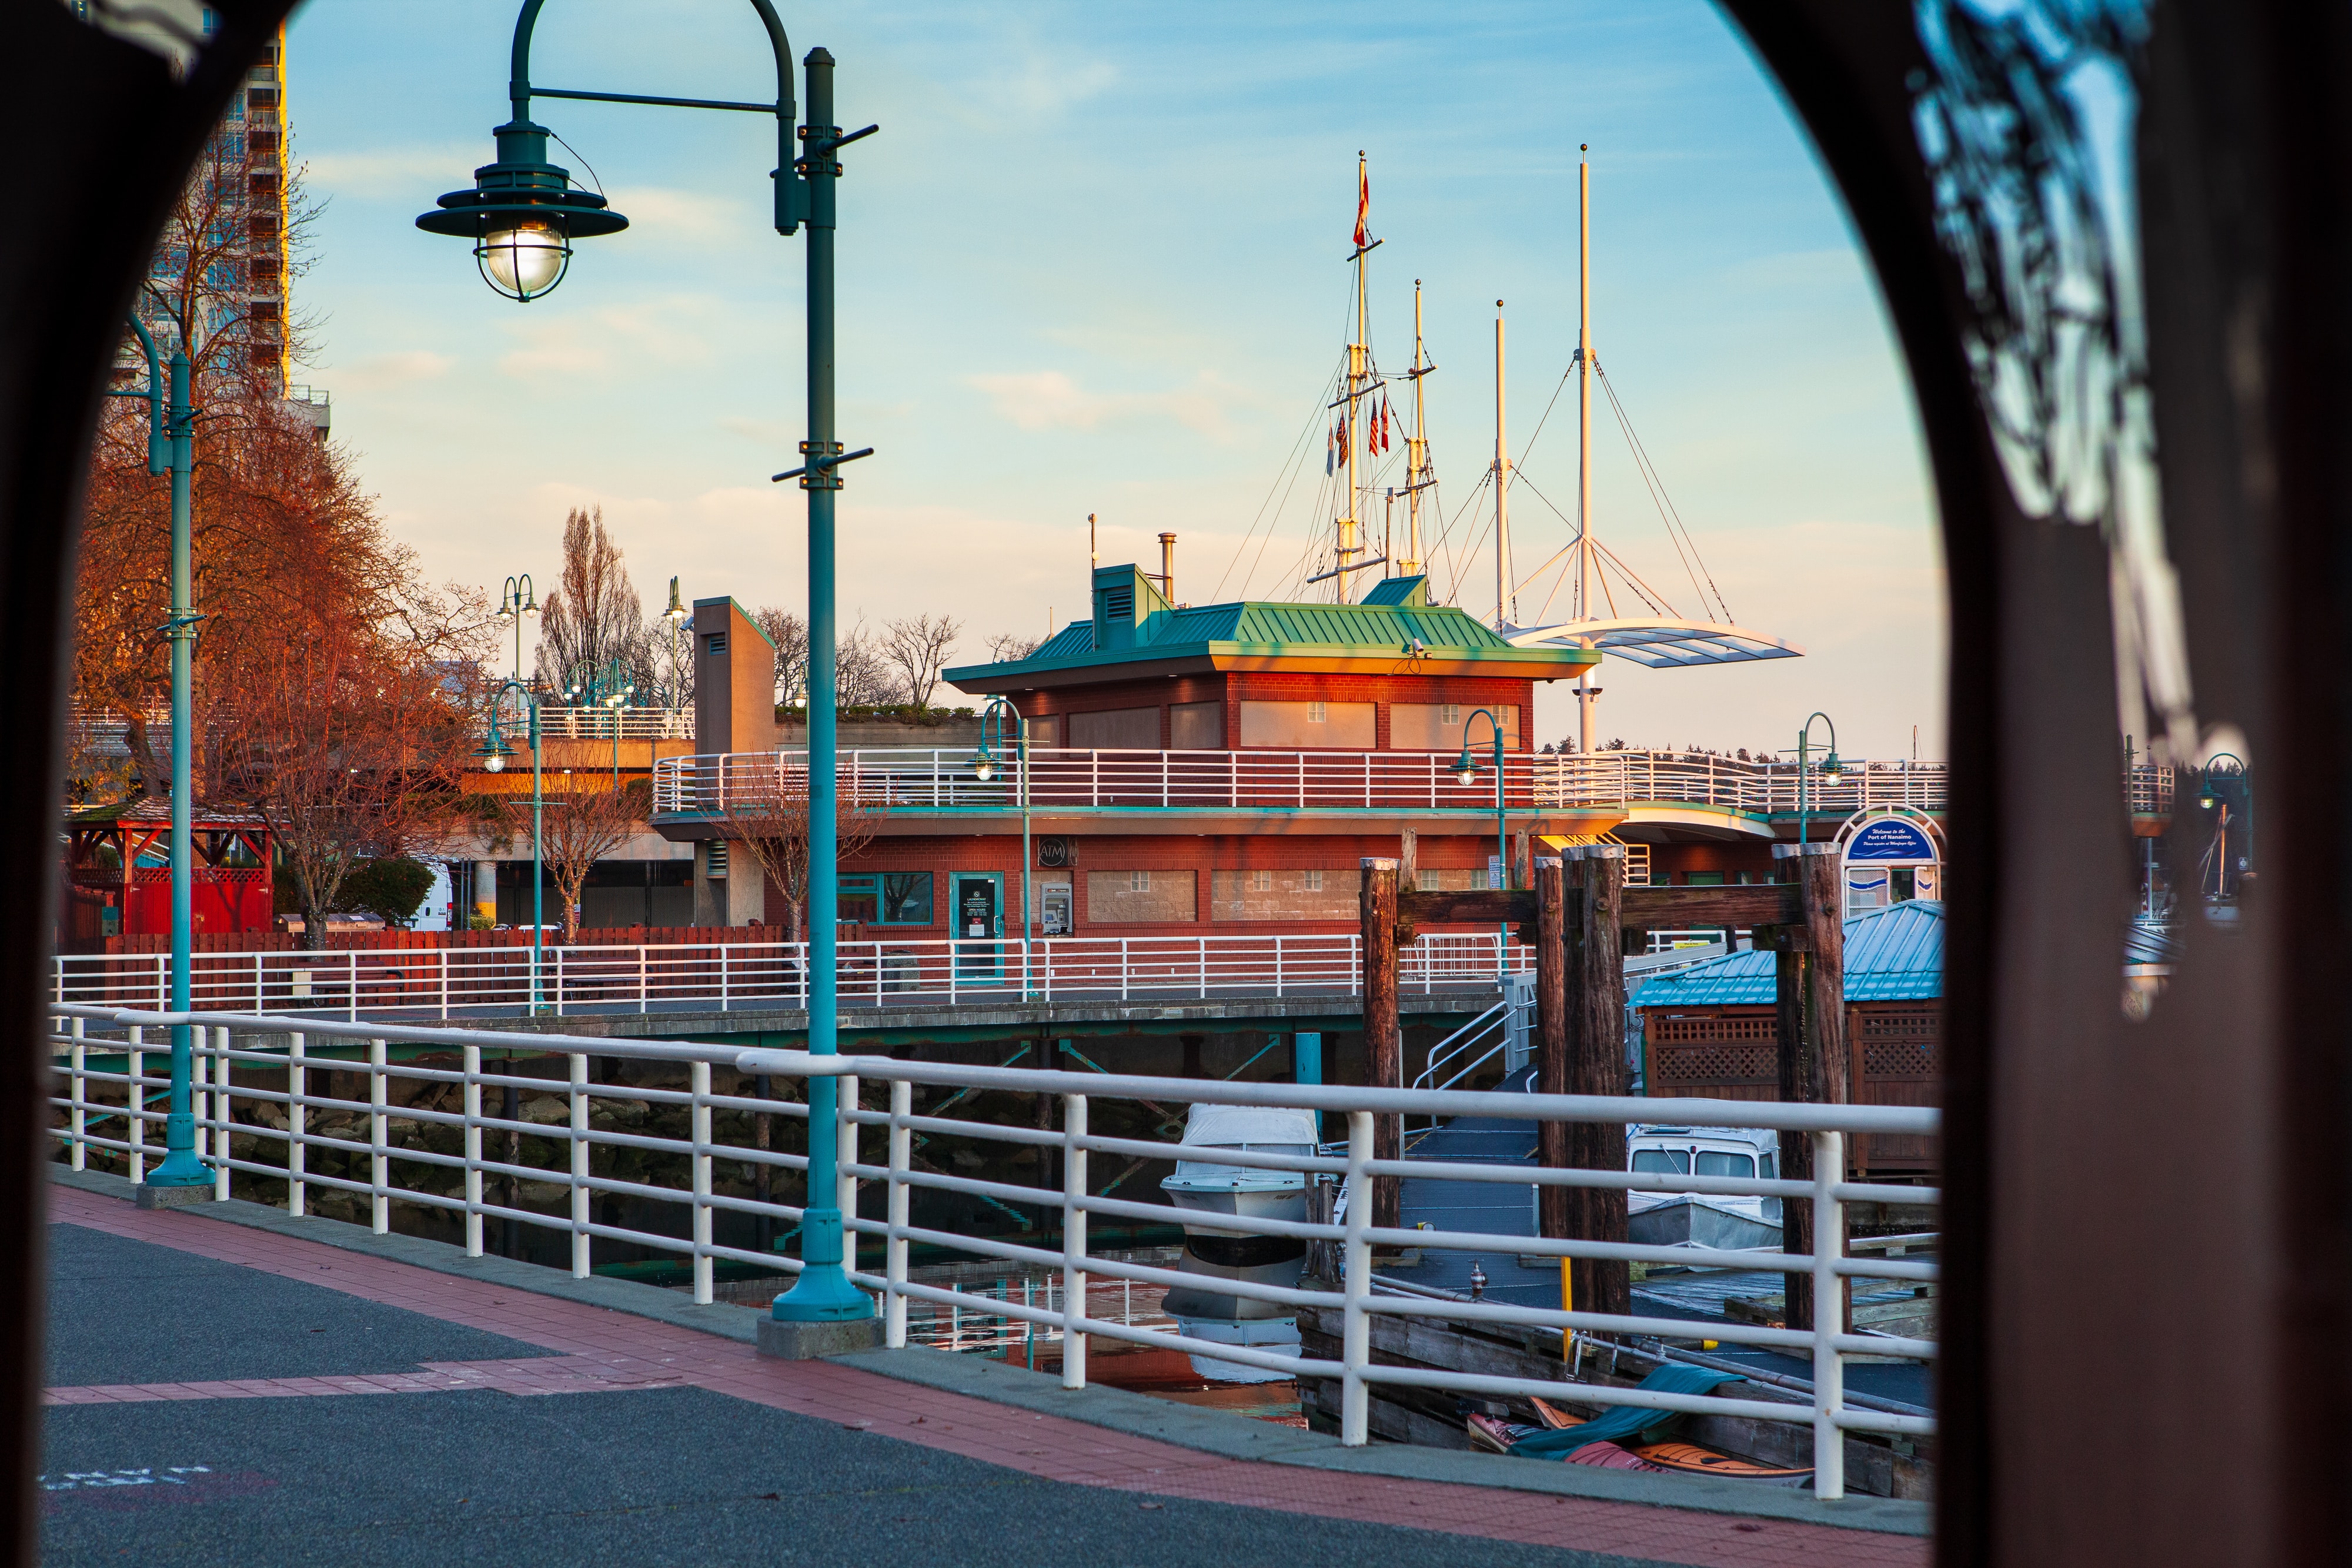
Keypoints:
(706, 892)
(486, 890)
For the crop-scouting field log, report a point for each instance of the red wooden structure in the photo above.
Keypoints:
(119, 873)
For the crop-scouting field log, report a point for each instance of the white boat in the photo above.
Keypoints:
(1694, 1219)
(1204, 1187)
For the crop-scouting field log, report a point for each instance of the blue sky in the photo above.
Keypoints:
(1095, 263)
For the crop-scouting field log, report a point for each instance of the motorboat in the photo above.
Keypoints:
(1703, 1219)
(1204, 1188)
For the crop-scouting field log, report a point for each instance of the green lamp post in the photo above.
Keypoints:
(1465, 770)
(523, 217)
(171, 449)
(998, 720)
(2210, 793)
(517, 603)
(494, 752)
(1832, 770)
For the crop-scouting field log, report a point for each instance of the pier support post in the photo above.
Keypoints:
(1551, 1034)
(1596, 1065)
(1808, 997)
(1383, 1042)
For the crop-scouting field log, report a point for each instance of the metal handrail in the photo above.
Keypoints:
(256, 1127)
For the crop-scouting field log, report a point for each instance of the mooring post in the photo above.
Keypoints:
(1383, 1042)
(1596, 1065)
(1809, 1002)
(1551, 1033)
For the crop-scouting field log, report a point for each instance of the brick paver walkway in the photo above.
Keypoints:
(602, 1349)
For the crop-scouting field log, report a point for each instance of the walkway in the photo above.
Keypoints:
(553, 1431)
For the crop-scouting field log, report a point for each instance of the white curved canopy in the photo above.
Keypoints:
(1659, 643)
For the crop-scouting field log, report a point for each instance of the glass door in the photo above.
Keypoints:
(978, 925)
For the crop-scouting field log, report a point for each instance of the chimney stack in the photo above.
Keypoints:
(1168, 566)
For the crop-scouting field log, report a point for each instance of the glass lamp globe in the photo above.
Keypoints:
(494, 764)
(1464, 768)
(983, 768)
(523, 260)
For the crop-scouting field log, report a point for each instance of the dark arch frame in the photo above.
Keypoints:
(2150, 1230)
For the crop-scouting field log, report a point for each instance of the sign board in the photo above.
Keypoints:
(1894, 838)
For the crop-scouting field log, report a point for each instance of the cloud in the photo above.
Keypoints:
(395, 368)
(674, 215)
(418, 172)
(674, 330)
(1051, 400)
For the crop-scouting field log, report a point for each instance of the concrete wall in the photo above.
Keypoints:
(735, 680)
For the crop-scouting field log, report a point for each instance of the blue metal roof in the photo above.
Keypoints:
(1892, 955)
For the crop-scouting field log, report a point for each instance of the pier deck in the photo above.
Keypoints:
(597, 1420)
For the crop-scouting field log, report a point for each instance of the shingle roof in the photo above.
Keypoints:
(1892, 955)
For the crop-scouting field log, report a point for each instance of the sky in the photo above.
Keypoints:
(1096, 262)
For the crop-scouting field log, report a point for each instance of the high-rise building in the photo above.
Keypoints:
(222, 269)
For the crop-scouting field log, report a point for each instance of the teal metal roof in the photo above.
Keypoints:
(1892, 955)
(1262, 629)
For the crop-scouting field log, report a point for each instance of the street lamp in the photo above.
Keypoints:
(171, 449)
(1832, 770)
(611, 688)
(1465, 770)
(677, 614)
(2208, 796)
(523, 217)
(494, 752)
(517, 601)
(995, 719)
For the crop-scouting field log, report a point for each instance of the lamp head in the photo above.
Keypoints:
(1465, 766)
(984, 763)
(523, 215)
(496, 762)
(677, 612)
(1832, 769)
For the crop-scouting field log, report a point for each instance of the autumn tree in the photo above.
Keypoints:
(576, 830)
(771, 826)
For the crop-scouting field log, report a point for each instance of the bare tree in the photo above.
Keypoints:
(1006, 646)
(593, 617)
(576, 830)
(789, 633)
(773, 828)
(915, 648)
(862, 676)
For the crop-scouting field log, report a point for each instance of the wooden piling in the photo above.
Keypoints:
(1809, 998)
(1551, 1030)
(1596, 1065)
(1383, 1041)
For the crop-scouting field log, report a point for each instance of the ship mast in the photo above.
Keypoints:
(1417, 474)
(1586, 692)
(1346, 548)
(1505, 601)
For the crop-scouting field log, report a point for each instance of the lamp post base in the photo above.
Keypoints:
(154, 1196)
(807, 1342)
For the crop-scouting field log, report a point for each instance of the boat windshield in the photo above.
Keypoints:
(1663, 1162)
(1717, 1163)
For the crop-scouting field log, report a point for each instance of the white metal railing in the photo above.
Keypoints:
(599, 723)
(254, 1110)
(727, 976)
(1065, 779)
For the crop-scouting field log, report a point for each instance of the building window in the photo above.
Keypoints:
(1449, 713)
(1139, 882)
(1315, 712)
(1261, 882)
(1426, 880)
(891, 898)
(1314, 881)
(1478, 881)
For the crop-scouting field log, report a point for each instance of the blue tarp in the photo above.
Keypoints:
(1625, 1421)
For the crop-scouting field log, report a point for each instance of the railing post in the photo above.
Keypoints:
(81, 1094)
(200, 1098)
(559, 982)
(222, 1114)
(723, 1000)
(1074, 1240)
(644, 978)
(844, 1185)
(352, 984)
(473, 1150)
(134, 1102)
(1356, 1340)
(1124, 968)
(902, 1159)
(579, 1165)
(699, 1081)
(298, 1126)
(379, 1140)
(443, 955)
(257, 984)
(1829, 1317)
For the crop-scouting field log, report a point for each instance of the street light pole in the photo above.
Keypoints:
(494, 750)
(523, 215)
(1832, 772)
(171, 448)
(993, 719)
(1465, 768)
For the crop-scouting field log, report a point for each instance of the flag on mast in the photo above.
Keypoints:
(1363, 203)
